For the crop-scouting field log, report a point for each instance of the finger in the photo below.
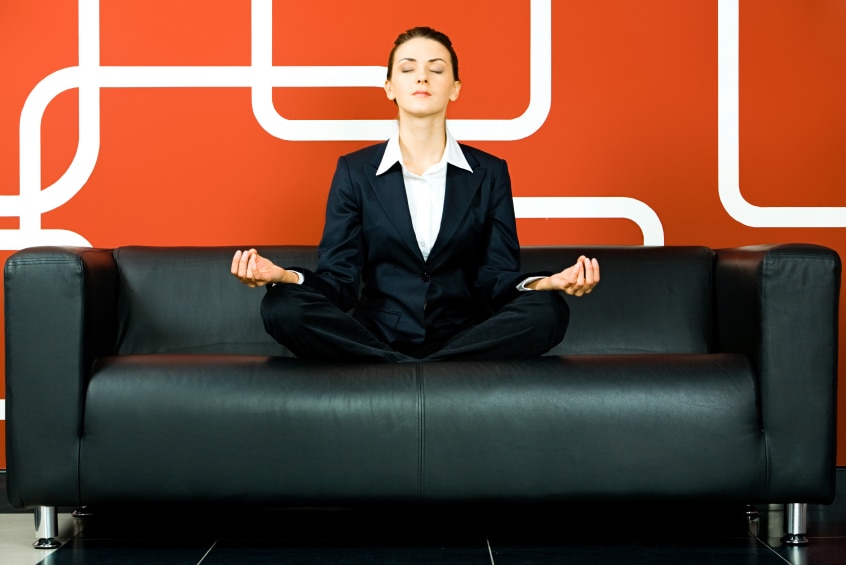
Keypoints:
(593, 279)
(580, 278)
(589, 274)
(583, 283)
(569, 277)
(236, 260)
(252, 270)
(243, 265)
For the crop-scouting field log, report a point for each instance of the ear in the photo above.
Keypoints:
(389, 90)
(456, 88)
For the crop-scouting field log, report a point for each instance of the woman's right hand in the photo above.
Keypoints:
(254, 270)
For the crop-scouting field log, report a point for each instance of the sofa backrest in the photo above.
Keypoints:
(183, 300)
(649, 300)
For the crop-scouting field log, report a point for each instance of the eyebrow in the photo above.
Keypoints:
(413, 60)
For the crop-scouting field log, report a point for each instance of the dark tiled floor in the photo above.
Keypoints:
(596, 535)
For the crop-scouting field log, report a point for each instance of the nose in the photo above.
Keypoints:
(422, 80)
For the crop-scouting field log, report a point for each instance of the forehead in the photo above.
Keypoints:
(422, 49)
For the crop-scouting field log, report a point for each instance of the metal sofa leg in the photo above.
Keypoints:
(46, 528)
(796, 515)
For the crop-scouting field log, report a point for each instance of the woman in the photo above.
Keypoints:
(427, 225)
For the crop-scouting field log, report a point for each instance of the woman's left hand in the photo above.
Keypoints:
(577, 280)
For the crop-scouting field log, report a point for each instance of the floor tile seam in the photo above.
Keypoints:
(490, 550)
(75, 527)
(208, 551)
(770, 548)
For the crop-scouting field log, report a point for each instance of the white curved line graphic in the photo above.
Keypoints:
(529, 122)
(19, 239)
(594, 207)
(261, 77)
(33, 200)
(729, 142)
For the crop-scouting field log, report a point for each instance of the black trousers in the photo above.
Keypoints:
(312, 327)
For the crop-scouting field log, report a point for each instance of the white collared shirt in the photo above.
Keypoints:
(425, 192)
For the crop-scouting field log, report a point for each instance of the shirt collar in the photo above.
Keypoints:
(453, 154)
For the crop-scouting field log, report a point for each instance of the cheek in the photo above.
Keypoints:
(395, 88)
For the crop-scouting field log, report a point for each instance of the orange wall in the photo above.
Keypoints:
(634, 112)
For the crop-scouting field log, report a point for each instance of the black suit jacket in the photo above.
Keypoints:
(368, 238)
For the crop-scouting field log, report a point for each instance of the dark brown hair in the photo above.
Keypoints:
(426, 33)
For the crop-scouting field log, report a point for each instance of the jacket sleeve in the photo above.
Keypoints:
(499, 274)
(341, 249)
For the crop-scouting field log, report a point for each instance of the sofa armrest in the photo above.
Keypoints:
(778, 304)
(59, 316)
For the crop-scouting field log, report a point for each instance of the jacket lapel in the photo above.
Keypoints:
(389, 188)
(461, 188)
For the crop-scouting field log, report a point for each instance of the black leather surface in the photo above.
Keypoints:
(650, 300)
(245, 428)
(778, 304)
(184, 300)
(594, 427)
(59, 316)
(691, 376)
(253, 428)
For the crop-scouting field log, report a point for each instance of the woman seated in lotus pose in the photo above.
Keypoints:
(419, 258)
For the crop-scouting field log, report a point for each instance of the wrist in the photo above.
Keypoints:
(291, 277)
(536, 284)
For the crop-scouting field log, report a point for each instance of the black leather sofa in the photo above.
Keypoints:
(143, 374)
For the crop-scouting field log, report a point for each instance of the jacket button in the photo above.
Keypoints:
(424, 277)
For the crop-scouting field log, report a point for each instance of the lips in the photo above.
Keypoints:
(421, 93)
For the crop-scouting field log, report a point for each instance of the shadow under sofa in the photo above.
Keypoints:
(144, 375)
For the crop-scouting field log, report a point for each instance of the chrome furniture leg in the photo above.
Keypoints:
(796, 526)
(46, 528)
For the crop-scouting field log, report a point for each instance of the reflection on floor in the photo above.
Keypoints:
(677, 534)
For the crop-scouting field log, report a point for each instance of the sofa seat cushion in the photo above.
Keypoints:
(247, 428)
(279, 430)
(642, 427)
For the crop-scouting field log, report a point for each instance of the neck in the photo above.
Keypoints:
(422, 142)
